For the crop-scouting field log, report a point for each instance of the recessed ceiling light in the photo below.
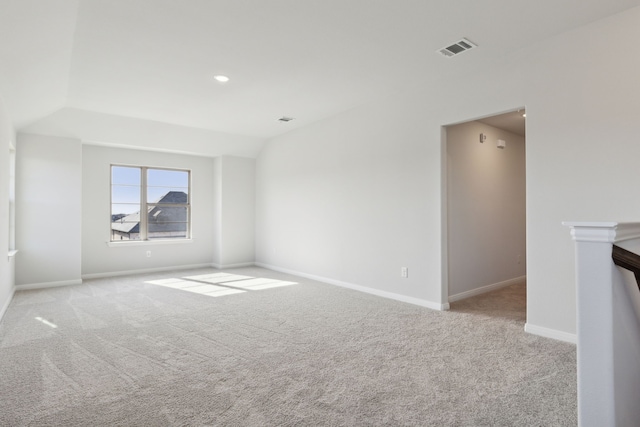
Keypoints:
(221, 78)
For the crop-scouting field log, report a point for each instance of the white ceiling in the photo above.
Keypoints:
(308, 59)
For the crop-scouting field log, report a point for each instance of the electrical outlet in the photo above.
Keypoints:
(148, 254)
(404, 272)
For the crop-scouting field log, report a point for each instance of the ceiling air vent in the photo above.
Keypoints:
(456, 48)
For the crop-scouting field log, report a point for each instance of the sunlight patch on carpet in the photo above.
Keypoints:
(220, 284)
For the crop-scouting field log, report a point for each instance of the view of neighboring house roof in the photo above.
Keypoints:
(127, 224)
(165, 215)
(178, 197)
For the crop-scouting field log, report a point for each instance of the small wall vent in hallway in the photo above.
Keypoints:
(456, 48)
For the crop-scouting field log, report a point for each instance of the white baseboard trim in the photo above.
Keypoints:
(45, 285)
(551, 333)
(360, 288)
(144, 271)
(4, 308)
(238, 265)
(485, 289)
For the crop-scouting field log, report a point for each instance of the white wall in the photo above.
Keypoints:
(48, 203)
(237, 211)
(347, 199)
(217, 211)
(359, 195)
(98, 258)
(7, 136)
(486, 192)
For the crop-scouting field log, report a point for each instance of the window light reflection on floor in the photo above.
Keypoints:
(261, 283)
(46, 322)
(220, 284)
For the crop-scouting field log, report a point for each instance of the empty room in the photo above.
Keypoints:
(249, 213)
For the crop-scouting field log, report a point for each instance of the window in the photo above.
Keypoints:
(149, 203)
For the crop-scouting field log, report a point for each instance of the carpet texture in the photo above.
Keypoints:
(252, 347)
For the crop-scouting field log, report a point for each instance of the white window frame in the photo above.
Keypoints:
(145, 205)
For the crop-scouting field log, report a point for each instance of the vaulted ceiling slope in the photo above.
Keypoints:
(310, 59)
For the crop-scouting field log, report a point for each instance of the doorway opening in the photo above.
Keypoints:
(485, 205)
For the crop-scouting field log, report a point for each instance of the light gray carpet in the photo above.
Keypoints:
(127, 352)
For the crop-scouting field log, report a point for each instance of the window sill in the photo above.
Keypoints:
(147, 242)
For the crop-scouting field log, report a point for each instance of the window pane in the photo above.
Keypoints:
(167, 186)
(123, 226)
(125, 203)
(125, 194)
(167, 222)
(117, 236)
(125, 175)
(167, 195)
(124, 209)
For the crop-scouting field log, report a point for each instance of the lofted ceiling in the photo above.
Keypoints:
(306, 59)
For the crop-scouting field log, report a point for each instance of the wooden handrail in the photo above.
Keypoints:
(627, 259)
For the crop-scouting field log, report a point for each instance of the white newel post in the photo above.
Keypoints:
(595, 274)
